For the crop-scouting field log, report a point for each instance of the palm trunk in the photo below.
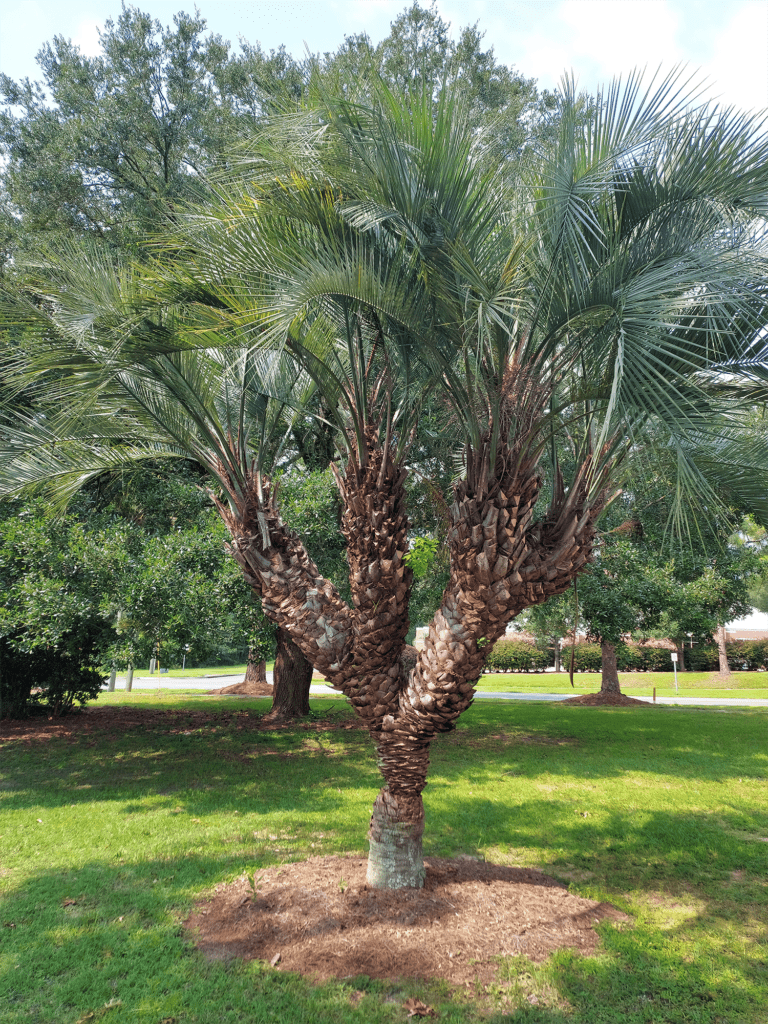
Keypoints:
(610, 672)
(722, 652)
(395, 858)
(292, 679)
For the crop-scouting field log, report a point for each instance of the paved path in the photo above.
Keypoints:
(169, 682)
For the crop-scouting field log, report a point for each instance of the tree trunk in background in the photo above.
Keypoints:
(292, 678)
(256, 671)
(558, 665)
(681, 667)
(610, 680)
(722, 652)
(129, 678)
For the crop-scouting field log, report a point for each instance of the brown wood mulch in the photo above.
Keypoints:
(244, 689)
(614, 700)
(319, 918)
(116, 721)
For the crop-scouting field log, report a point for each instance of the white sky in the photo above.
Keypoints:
(726, 40)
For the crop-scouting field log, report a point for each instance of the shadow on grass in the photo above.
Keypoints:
(103, 938)
(103, 934)
(175, 812)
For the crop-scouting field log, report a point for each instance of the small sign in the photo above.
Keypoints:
(673, 655)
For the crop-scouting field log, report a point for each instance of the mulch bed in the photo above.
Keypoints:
(319, 918)
(244, 689)
(115, 721)
(613, 700)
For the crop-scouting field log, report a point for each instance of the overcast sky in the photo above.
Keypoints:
(726, 40)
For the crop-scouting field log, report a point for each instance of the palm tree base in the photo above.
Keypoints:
(396, 858)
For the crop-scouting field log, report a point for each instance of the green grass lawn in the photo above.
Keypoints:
(196, 673)
(634, 684)
(106, 841)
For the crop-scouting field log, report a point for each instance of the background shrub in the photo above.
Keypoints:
(702, 658)
(588, 658)
(46, 681)
(517, 656)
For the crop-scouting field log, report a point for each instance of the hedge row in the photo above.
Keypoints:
(742, 654)
(517, 656)
(629, 658)
(525, 656)
(46, 682)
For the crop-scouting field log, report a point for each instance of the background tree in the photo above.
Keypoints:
(110, 145)
(549, 623)
(53, 630)
(645, 583)
(114, 145)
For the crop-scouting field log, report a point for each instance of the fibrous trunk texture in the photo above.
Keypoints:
(610, 678)
(291, 680)
(722, 651)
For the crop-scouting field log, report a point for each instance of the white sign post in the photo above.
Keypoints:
(673, 656)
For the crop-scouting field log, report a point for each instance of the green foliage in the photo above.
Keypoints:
(46, 681)
(179, 592)
(94, 588)
(743, 655)
(114, 145)
(421, 54)
(310, 505)
(623, 591)
(108, 144)
(516, 656)
(428, 558)
(421, 556)
(52, 627)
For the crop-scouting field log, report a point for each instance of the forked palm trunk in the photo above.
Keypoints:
(500, 564)
(610, 673)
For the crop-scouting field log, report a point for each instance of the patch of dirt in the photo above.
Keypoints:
(596, 700)
(245, 689)
(319, 918)
(116, 721)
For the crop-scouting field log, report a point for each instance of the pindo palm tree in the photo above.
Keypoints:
(603, 301)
